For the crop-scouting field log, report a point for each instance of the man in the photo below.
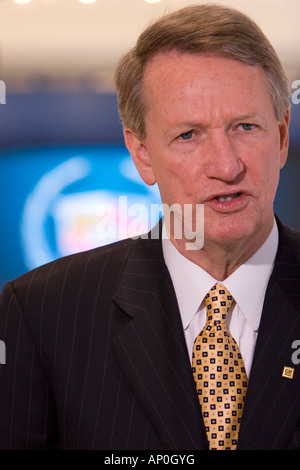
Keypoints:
(100, 345)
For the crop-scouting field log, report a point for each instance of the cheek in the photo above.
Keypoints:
(174, 175)
(266, 173)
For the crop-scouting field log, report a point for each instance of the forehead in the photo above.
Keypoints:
(175, 77)
(178, 64)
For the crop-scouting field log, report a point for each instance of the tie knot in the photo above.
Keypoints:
(218, 301)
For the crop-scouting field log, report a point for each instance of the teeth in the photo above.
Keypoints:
(227, 198)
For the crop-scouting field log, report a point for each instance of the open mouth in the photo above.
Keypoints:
(227, 198)
(229, 202)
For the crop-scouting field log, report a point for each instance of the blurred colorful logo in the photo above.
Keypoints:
(62, 215)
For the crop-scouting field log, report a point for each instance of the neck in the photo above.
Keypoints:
(220, 260)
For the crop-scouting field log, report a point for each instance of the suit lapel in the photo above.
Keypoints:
(272, 407)
(152, 353)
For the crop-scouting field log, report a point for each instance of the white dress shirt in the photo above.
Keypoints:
(247, 285)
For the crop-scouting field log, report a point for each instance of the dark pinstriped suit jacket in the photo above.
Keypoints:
(96, 356)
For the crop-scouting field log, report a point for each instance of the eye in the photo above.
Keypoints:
(186, 135)
(247, 126)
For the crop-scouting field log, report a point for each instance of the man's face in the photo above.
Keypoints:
(212, 139)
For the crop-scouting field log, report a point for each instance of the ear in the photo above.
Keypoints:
(284, 138)
(139, 155)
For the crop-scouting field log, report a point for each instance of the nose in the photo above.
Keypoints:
(223, 159)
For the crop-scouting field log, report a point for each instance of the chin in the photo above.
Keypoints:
(232, 230)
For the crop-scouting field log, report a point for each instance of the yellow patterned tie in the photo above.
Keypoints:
(219, 373)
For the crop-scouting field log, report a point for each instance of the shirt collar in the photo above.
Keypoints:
(191, 282)
(253, 277)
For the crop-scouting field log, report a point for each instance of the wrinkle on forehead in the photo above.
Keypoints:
(217, 87)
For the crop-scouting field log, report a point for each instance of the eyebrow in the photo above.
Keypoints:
(246, 117)
(194, 124)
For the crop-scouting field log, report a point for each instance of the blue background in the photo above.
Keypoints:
(40, 131)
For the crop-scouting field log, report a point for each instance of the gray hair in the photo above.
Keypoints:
(198, 29)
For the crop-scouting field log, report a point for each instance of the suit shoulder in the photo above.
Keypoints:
(289, 237)
(289, 245)
(73, 272)
(76, 262)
